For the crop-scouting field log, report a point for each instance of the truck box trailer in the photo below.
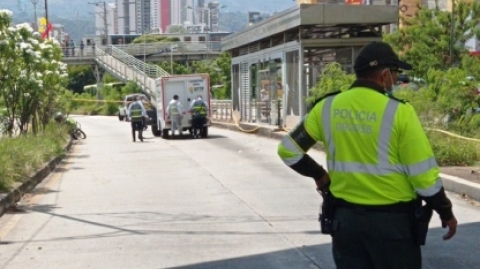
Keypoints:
(188, 88)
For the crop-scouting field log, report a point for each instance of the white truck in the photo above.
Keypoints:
(188, 88)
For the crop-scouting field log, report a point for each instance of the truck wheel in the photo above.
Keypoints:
(120, 117)
(204, 132)
(155, 131)
(165, 134)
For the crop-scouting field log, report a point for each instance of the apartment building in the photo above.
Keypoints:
(181, 12)
(160, 15)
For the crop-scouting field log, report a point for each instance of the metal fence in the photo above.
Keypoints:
(171, 47)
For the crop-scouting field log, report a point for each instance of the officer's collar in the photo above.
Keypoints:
(367, 84)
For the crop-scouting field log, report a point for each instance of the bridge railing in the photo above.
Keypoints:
(183, 47)
(151, 70)
(129, 70)
(222, 110)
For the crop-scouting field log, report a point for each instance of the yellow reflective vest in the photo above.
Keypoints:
(377, 151)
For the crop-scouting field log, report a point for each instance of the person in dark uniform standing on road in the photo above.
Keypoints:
(381, 168)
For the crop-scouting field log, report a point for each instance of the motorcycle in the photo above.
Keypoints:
(74, 127)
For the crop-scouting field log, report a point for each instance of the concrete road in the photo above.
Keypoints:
(222, 202)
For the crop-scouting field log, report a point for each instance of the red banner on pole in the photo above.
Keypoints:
(46, 33)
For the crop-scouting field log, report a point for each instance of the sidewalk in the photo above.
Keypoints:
(451, 183)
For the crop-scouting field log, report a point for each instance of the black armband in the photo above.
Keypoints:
(309, 168)
(441, 204)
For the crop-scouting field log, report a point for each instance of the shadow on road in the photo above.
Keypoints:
(189, 137)
(459, 252)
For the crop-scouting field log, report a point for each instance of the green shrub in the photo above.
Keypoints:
(445, 102)
(452, 151)
(23, 155)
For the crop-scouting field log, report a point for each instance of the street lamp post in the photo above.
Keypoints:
(171, 59)
(35, 21)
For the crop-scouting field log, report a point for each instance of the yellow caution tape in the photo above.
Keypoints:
(238, 125)
(88, 100)
(453, 135)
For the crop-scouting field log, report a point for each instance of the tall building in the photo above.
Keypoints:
(181, 12)
(134, 16)
(155, 15)
(213, 21)
(126, 17)
(142, 16)
(160, 15)
(207, 14)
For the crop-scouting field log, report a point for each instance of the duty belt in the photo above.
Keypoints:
(403, 207)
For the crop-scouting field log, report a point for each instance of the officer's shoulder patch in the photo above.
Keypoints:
(318, 100)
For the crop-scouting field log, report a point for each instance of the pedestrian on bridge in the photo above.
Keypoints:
(380, 164)
(136, 113)
(82, 47)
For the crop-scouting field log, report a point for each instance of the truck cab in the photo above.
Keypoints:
(129, 98)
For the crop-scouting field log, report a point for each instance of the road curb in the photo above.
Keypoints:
(461, 186)
(450, 183)
(12, 197)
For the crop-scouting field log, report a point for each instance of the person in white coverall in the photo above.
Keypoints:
(175, 112)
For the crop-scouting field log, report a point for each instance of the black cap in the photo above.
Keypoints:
(378, 54)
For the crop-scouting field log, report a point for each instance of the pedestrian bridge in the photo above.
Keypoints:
(183, 52)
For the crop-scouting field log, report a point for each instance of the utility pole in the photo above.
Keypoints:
(452, 31)
(103, 15)
(46, 14)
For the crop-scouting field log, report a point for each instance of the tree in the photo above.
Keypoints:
(178, 68)
(224, 63)
(425, 39)
(32, 74)
(152, 38)
(177, 29)
(333, 79)
(79, 77)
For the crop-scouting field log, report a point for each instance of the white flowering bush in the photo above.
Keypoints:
(31, 74)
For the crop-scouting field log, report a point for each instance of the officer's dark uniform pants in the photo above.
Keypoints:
(137, 126)
(197, 124)
(374, 240)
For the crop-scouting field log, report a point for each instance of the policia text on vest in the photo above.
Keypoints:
(362, 119)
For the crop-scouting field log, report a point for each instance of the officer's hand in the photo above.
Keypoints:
(452, 228)
(323, 183)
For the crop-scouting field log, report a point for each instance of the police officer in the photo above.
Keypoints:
(136, 113)
(380, 162)
(199, 109)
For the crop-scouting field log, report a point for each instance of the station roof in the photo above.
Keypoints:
(313, 15)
